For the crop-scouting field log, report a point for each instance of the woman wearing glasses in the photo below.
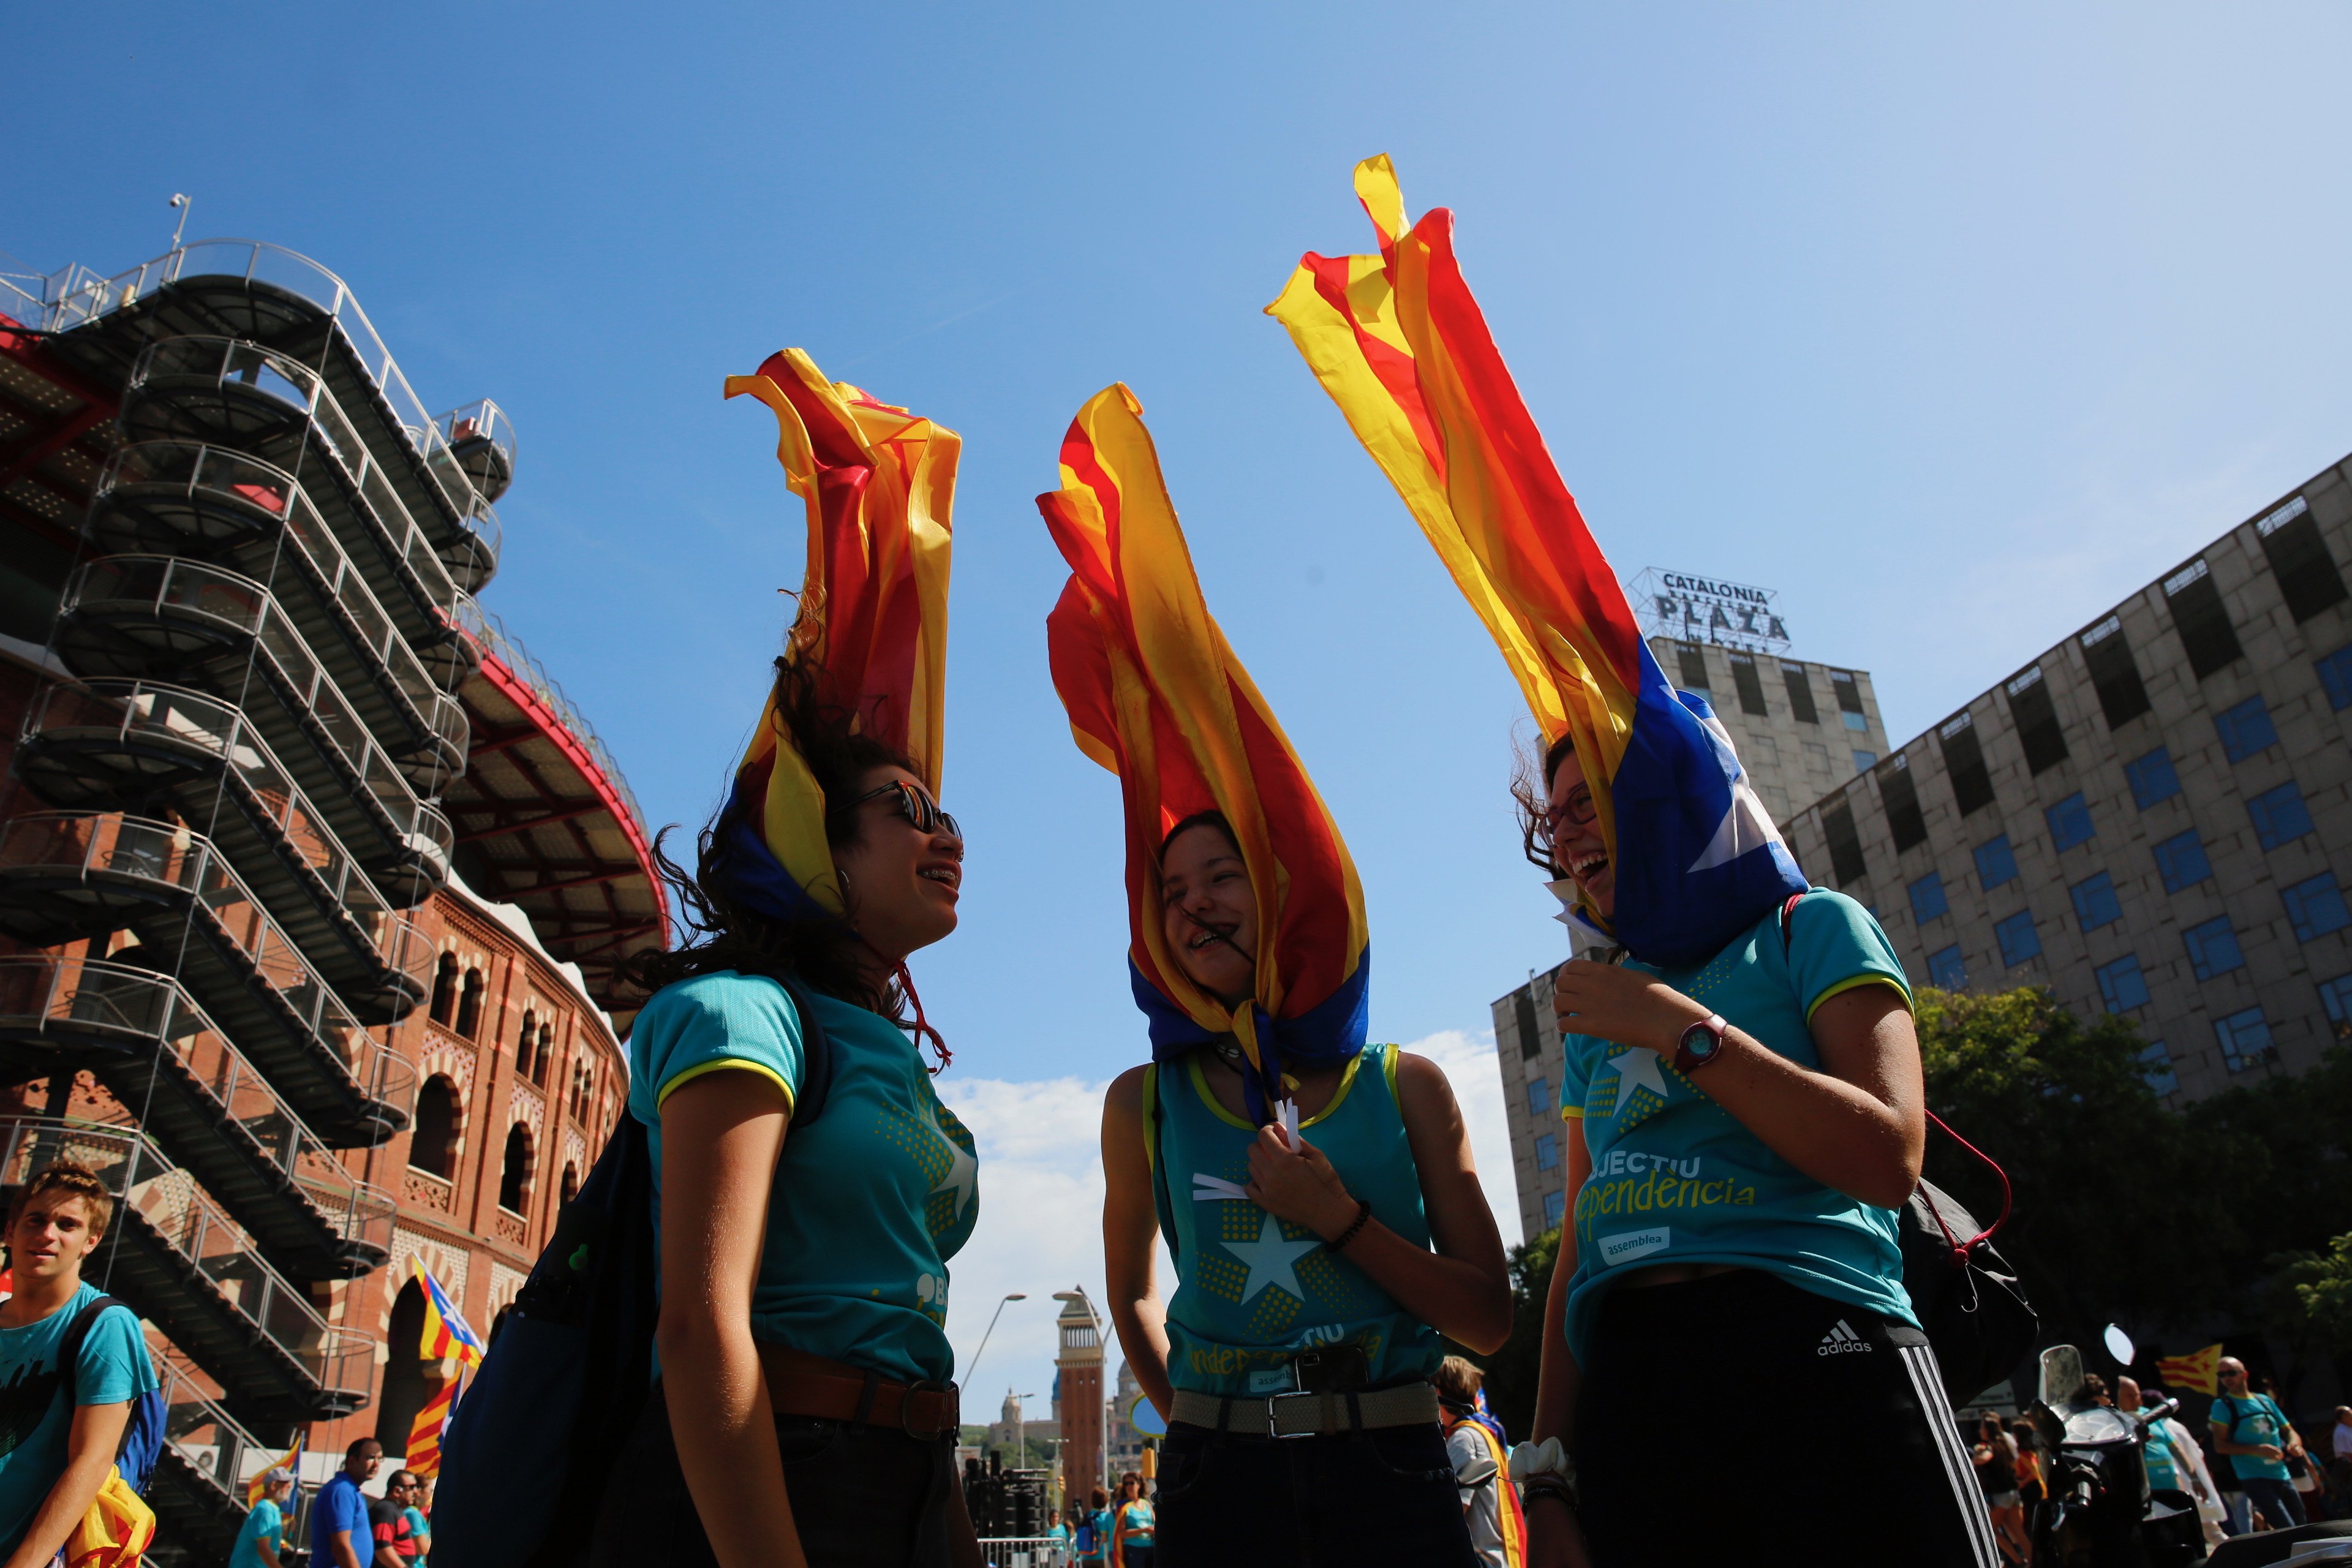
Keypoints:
(809, 1187)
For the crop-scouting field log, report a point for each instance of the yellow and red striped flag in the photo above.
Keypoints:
(446, 1332)
(2199, 1370)
(254, 1487)
(425, 1437)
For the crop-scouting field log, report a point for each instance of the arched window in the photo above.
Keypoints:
(470, 1004)
(444, 993)
(405, 1384)
(525, 1044)
(571, 1181)
(432, 1147)
(514, 1178)
(546, 1054)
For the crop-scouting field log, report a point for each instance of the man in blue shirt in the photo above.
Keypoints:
(341, 1536)
(2254, 1431)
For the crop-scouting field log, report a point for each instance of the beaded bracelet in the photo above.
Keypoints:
(1363, 1216)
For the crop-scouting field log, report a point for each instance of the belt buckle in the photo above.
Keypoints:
(907, 1408)
(1273, 1426)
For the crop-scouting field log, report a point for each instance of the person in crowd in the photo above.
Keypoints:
(2032, 1488)
(2254, 1433)
(2094, 1391)
(1739, 1131)
(419, 1515)
(1132, 1526)
(1093, 1531)
(1482, 1466)
(2340, 1464)
(388, 1522)
(1994, 1454)
(804, 1407)
(65, 1426)
(2171, 1451)
(1317, 1193)
(341, 1533)
(263, 1536)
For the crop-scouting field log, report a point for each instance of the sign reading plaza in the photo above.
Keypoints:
(1691, 608)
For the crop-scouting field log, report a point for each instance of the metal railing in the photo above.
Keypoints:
(1025, 1552)
(296, 385)
(202, 473)
(48, 994)
(184, 1215)
(211, 1441)
(80, 297)
(169, 585)
(483, 438)
(146, 712)
(163, 855)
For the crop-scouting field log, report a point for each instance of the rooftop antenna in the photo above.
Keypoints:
(184, 204)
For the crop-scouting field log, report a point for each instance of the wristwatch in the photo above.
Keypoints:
(1700, 1044)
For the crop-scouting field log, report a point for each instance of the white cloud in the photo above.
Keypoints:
(1469, 1064)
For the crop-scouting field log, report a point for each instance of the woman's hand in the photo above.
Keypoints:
(1624, 1006)
(1302, 1188)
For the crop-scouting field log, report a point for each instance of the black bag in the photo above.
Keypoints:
(528, 1452)
(1968, 1300)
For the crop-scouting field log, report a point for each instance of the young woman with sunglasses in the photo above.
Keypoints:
(1738, 1133)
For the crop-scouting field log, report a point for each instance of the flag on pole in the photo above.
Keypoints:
(446, 1332)
(254, 1487)
(2199, 1370)
(425, 1437)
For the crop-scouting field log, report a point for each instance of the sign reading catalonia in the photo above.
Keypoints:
(1693, 608)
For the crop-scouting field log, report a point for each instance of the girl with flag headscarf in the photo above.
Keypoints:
(809, 1187)
(1742, 1092)
(1317, 1193)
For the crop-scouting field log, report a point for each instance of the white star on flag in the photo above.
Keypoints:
(1271, 1260)
(1637, 1068)
(964, 1171)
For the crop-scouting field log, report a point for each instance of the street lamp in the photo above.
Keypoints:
(974, 1364)
(1020, 1416)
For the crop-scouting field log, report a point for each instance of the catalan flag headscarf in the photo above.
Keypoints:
(879, 483)
(1156, 695)
(1400, 345)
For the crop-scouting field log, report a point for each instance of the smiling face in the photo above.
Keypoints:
(903, 882)
(1209, 913)
(1576, 846)
(50, 1235)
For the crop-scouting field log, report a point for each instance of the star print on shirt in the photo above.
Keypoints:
(963, 1172)
(1272, 1261)
(1637, 1068)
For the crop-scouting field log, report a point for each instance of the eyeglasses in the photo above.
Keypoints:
(921, 812)
(1543, 831)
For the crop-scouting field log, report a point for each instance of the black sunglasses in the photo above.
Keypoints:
(920, 810)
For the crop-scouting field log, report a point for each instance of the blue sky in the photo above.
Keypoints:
(1952, 327)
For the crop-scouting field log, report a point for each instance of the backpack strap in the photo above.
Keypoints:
(816, 1056)
(1155, 1156)
(77, 1333)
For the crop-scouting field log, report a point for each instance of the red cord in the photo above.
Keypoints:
(923, 1027)
(1960, 1251)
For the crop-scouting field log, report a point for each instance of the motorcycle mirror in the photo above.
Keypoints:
(2062, 1376)
(2119, 1345)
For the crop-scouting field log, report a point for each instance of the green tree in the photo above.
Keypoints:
(2315, 1288)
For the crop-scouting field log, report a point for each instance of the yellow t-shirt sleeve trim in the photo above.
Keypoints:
(1569, 1112)
(726, 1064)
(1855, 983)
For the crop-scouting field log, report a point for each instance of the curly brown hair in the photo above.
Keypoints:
(1531, 779)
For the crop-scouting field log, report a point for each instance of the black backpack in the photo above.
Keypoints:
(529, 1450)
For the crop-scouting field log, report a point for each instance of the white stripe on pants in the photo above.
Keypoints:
(1927, 1384)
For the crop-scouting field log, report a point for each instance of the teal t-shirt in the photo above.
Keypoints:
(869, 1202)
(2163, 1465)
(2255, 1418)
(264, 1526)
(1136, 1517)
(1252, 1291)
(34, 1420)
(1678, 1179)
(420, 1530)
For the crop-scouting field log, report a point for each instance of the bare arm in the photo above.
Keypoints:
(346, 1555)
(721, 1135)
(2222, 1445)
(1554, 1539)
(90, 1446)
(1858, 1123)
(268, 1557)
(385, 1556)
(1130, 1226)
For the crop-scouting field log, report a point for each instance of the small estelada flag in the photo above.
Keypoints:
(446, 1332)
(2199, 1370)
(424, 1455)
(289, 1464)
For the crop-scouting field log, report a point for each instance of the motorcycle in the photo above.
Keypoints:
(2100, 1511)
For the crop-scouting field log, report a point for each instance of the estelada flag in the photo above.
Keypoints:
(446, 1332)
(2199, 1370)
(425, 1437)
(1400, 345)
(293, 1458)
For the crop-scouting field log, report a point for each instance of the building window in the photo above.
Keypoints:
(2335, 995)
(2036, 717)
(2181, 861)
(2019, 940)
(526, 1043)
(514, 1175)
(2245, 1038)
(1547, 1153)
(2315, 907)
(2095, 903)
(2203, 622)
(1996, 863)
(2336, 677)
(1522, 1014)
(2121, 984)
(1693, 659)
(546, 1054)
(1748, 684)
(1900, 796)
(1946, 969)
(445, 991)
(1801, 694)
(571, 1181)
(1928, 900)
(2155, 1066)
(2246, 730)
(2152, 778)
(2114, 674)
(433, 1145)
(1864, 761)
(2212, 948)
(2307, 573)
(1555, 1208)
(1539, 1097)
(2070, 823)
(1849, 697)
(1817, 756)
(470, 1004)
(1857, 724)
(1845, 844)
(2279, 815)
(1964, 762)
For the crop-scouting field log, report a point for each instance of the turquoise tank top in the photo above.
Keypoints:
(1253, 1291)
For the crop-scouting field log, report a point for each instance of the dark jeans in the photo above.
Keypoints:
(1356, 1501)
(862, 1497)
(2277, 1499)
(1669, 1364)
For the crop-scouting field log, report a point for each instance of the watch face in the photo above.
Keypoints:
(1699, 1042)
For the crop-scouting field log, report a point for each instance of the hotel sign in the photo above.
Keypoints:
(1693, 608)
